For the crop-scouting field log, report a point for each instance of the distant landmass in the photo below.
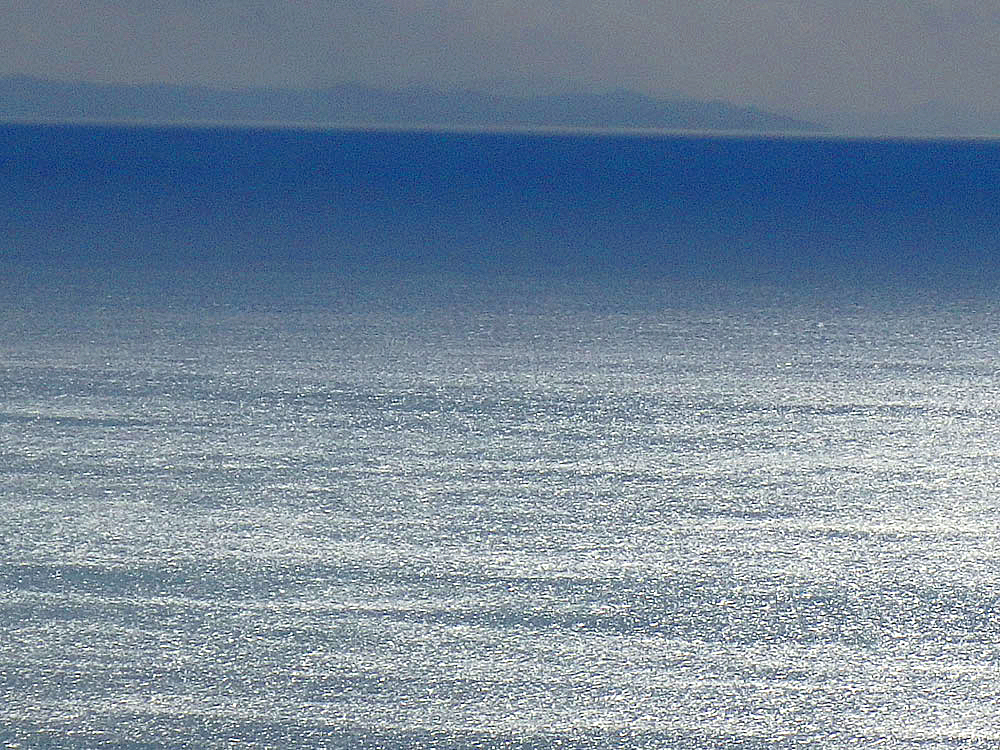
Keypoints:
(25, 98)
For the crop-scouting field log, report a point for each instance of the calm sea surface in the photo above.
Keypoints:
(475, 509)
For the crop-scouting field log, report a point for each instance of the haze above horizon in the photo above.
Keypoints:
(923, 66)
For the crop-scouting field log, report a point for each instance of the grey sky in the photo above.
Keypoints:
(812, 58)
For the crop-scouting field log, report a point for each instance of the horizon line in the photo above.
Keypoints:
(499, 129)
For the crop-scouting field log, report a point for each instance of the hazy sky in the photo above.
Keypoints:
(813, 58)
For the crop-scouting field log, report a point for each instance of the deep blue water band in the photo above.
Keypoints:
(783, 210)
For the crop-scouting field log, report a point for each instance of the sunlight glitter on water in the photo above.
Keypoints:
(458, 540)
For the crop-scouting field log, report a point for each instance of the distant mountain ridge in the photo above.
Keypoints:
(25, 98)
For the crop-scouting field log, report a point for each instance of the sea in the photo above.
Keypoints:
(396, 439)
